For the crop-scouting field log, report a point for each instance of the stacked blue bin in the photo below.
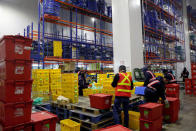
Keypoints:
(67, 50)
(101, 5)
(52, 7)
(92, 5)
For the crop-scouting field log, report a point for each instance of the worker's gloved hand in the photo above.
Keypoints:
(166, 103)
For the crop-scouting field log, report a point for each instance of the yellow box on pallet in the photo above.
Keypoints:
(69, 125)
(134, 122)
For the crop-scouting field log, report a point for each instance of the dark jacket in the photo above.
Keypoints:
(155, 89)
(148, 76)
(170, 77)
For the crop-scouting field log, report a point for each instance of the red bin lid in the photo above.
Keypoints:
(40, 116)
(101, 95)
(150, 105)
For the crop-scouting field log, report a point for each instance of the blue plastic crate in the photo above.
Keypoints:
(139, 90)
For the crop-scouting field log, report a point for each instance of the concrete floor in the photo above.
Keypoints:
(187, 117)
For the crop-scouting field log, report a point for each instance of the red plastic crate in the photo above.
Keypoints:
(15, 47)
(151, 111)
(193, 66)
(15, 91)
(170, 112)
(193, 87)
(194, 92)
(44, 121)
(146, 125)
(193, 76)
(114, 128)
(175, 95)
(188, 91)
(15, 114)
(22, 127)
(193, 81)
(193, 71)
(188, 83)
(15, 70)
(100, 101)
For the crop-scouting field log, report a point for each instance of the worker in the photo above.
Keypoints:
(185, 74)
(169, 77)
(123, 84)
(81, 82)
(149, 76)
(155, 90)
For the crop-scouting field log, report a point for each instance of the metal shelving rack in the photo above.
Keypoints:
(68, 24)
(163, 32)
(192, 32)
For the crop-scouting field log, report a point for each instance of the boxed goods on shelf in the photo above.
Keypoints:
(57, 48)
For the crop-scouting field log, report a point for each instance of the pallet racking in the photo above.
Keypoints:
(72, 22)
(163, 32)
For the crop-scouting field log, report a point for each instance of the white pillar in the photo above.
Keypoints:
(127, 34)
(187, 39)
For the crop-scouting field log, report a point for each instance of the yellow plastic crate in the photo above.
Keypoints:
(138, 84)
(55, 71)
(134, 122)
(54, 97)
(159, 74)
(69, 125)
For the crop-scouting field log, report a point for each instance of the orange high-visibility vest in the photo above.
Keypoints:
(124, 85)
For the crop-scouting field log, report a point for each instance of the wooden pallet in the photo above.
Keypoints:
(89, 116)
(92, 126)
(66, 106)
(86, 108)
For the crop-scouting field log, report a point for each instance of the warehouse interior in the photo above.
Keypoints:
(97, 65)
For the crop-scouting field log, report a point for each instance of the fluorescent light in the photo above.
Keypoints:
(93, 19)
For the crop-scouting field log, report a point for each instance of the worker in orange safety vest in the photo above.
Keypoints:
(123, 85)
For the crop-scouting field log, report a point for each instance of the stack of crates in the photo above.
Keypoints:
(171, 111)
(193, 70)
(70, 86)
(41, 87)
(55, 83)
(57, 48)
(151, 117)
(106, 80)
(15, 83)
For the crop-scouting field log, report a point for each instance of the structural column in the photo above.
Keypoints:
(127, 34)
(187, 39)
